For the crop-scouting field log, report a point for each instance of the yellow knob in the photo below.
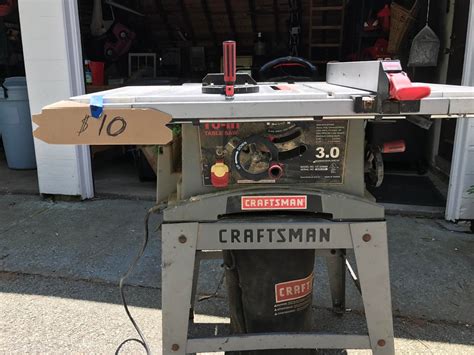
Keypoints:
(219, 169)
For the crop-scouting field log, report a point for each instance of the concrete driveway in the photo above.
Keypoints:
(60, 264)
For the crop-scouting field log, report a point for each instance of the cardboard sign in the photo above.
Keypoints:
(68, 122)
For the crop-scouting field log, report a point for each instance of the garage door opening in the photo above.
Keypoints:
(167, 43)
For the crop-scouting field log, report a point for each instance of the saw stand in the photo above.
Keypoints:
(202, 221)
(336, 217)
(185, 243)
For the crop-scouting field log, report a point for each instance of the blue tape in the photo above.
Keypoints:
(97, 105)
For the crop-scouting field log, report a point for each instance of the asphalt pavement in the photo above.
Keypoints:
(60, 263)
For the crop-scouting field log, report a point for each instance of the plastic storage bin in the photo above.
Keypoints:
(15, 124)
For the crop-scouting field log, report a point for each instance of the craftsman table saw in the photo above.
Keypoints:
(264, 175)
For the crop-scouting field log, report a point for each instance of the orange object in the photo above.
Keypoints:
(97, 69)
(394, 147)
(219, 174)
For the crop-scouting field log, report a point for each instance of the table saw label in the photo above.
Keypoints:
(274, 202)
(273, 152)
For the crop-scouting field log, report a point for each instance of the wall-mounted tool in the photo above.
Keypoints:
(99, 25)
(116, 36)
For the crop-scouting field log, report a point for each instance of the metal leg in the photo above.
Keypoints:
(371, 254)
(337, 279)
(178, 255)
(197, 265)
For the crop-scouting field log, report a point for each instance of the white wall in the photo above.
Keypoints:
(53, 64)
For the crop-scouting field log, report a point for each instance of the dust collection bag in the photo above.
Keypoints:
(270, 291)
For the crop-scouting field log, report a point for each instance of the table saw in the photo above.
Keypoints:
(266, 176)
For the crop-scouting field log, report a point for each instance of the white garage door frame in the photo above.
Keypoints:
(54, 71)
(84, 163)
(460, 204)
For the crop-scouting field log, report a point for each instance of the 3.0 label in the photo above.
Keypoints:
(322, 153)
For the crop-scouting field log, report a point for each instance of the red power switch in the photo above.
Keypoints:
(229, 62)
(219, 174)
(402, 89)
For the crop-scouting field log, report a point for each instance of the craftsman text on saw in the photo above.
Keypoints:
(274, 235)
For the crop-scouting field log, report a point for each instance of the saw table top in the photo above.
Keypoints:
(306, 99)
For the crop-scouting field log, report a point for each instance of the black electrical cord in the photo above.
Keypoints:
(142, 341)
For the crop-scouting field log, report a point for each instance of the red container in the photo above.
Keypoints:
(97, 69)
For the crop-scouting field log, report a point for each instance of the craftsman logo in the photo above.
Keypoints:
(293, 290)
(274, 235)
(221, 129)
(274, 202)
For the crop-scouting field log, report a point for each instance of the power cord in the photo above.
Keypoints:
(142, 341)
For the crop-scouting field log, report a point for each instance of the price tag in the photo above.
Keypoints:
(68, 122)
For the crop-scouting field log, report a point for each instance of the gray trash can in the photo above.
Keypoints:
(15, 124)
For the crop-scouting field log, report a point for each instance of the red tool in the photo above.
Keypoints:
(229, 62)
(119, 41)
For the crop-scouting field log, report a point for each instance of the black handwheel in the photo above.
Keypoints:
(254, 158)
(288, 68)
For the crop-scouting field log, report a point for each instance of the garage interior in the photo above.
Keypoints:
(162, 42)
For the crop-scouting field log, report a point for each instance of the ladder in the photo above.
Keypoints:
(326, 29)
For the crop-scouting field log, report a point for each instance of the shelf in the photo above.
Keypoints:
(327, 8)
(326, 27)
(325, 45)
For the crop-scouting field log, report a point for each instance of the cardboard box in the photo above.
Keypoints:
(69, 122)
